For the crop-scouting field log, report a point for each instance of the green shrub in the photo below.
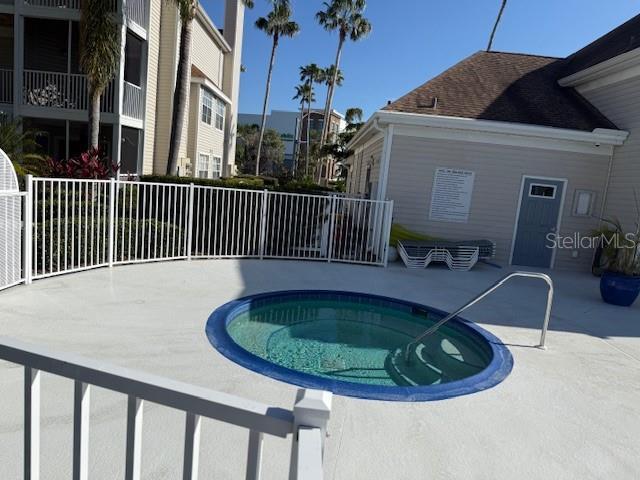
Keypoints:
(57, 249)
(251, 183)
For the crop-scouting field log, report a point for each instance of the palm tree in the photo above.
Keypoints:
(304, 92)
(187, 10)
(312, 74)
(99, 55)
(276, 24)
(353, 115)
(347, 17)
(495, 26)
(20, 145)
(330, 77)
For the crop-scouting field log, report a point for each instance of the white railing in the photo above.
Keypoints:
(137, 12)
(133, 101)
(62, 90)
(72, 4)
(12, 267)
(81, 224)
(6, 85)
(307, 421)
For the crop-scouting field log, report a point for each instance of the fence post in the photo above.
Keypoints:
(112, 213)
(263, 222)
(386, 232)
(332, 225)
(310, 412)
(190, 220)
(27, 248)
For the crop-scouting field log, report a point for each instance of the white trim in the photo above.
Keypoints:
(560, 213)
(599, 135)
(599, 142)
(206, 83)
(211, 29)
(383, 172)
(613, 70)
(455, 135)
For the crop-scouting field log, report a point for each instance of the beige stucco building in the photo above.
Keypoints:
(41, 82)
(527, 151)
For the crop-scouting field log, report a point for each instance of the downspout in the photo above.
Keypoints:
(607, 185)
(386, 158)
(605, 196)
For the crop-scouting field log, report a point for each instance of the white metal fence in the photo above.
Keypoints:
(12, 264)
(307, 421)
(81, 224)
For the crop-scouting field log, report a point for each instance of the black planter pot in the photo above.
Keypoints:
(618, 289)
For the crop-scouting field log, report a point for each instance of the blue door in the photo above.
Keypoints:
(539, 211)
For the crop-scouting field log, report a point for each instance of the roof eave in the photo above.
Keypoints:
(599, 136)
(628, 61)
(212, 30)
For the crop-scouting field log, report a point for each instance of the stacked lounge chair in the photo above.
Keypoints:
(461, 256)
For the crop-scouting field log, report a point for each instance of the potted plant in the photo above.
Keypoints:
(620, 280)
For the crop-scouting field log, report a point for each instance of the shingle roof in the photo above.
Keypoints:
(504, 87)
(621, 40)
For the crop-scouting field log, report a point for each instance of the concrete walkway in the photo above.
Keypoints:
(571, 412)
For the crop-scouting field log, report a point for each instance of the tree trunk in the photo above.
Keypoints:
(266, 103)
(296, 156)
(332, 88)
(308, 151)
(94, 118)
(495, 26)
(180, 96)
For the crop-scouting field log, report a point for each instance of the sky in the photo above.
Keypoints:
(411, 42)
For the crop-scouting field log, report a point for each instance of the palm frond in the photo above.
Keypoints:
(99, 43)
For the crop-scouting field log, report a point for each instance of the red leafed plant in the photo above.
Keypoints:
(89, 164)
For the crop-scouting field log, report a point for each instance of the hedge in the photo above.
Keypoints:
(157, 236)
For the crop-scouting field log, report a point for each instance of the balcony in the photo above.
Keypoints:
(66, 4)
(136, 11)
(6, 85)
(133, 101)
(61, 90)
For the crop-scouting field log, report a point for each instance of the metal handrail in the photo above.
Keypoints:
(479, 297)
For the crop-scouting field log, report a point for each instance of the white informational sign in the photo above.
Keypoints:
(451, 195)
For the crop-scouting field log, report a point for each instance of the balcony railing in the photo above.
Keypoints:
(61, 90)
(70, 4)
(137, 12)
(133, 101)
(6, 86)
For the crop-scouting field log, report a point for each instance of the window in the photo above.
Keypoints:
(544, 191)
(220, 109)
(217, 167)
(207, 106)
(203, 165)
(583, 203)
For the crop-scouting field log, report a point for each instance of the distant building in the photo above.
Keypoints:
(286, 124)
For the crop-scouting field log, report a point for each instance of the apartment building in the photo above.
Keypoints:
(41, 82)
(287, 124)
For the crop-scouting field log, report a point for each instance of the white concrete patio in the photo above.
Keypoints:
(571, 412)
